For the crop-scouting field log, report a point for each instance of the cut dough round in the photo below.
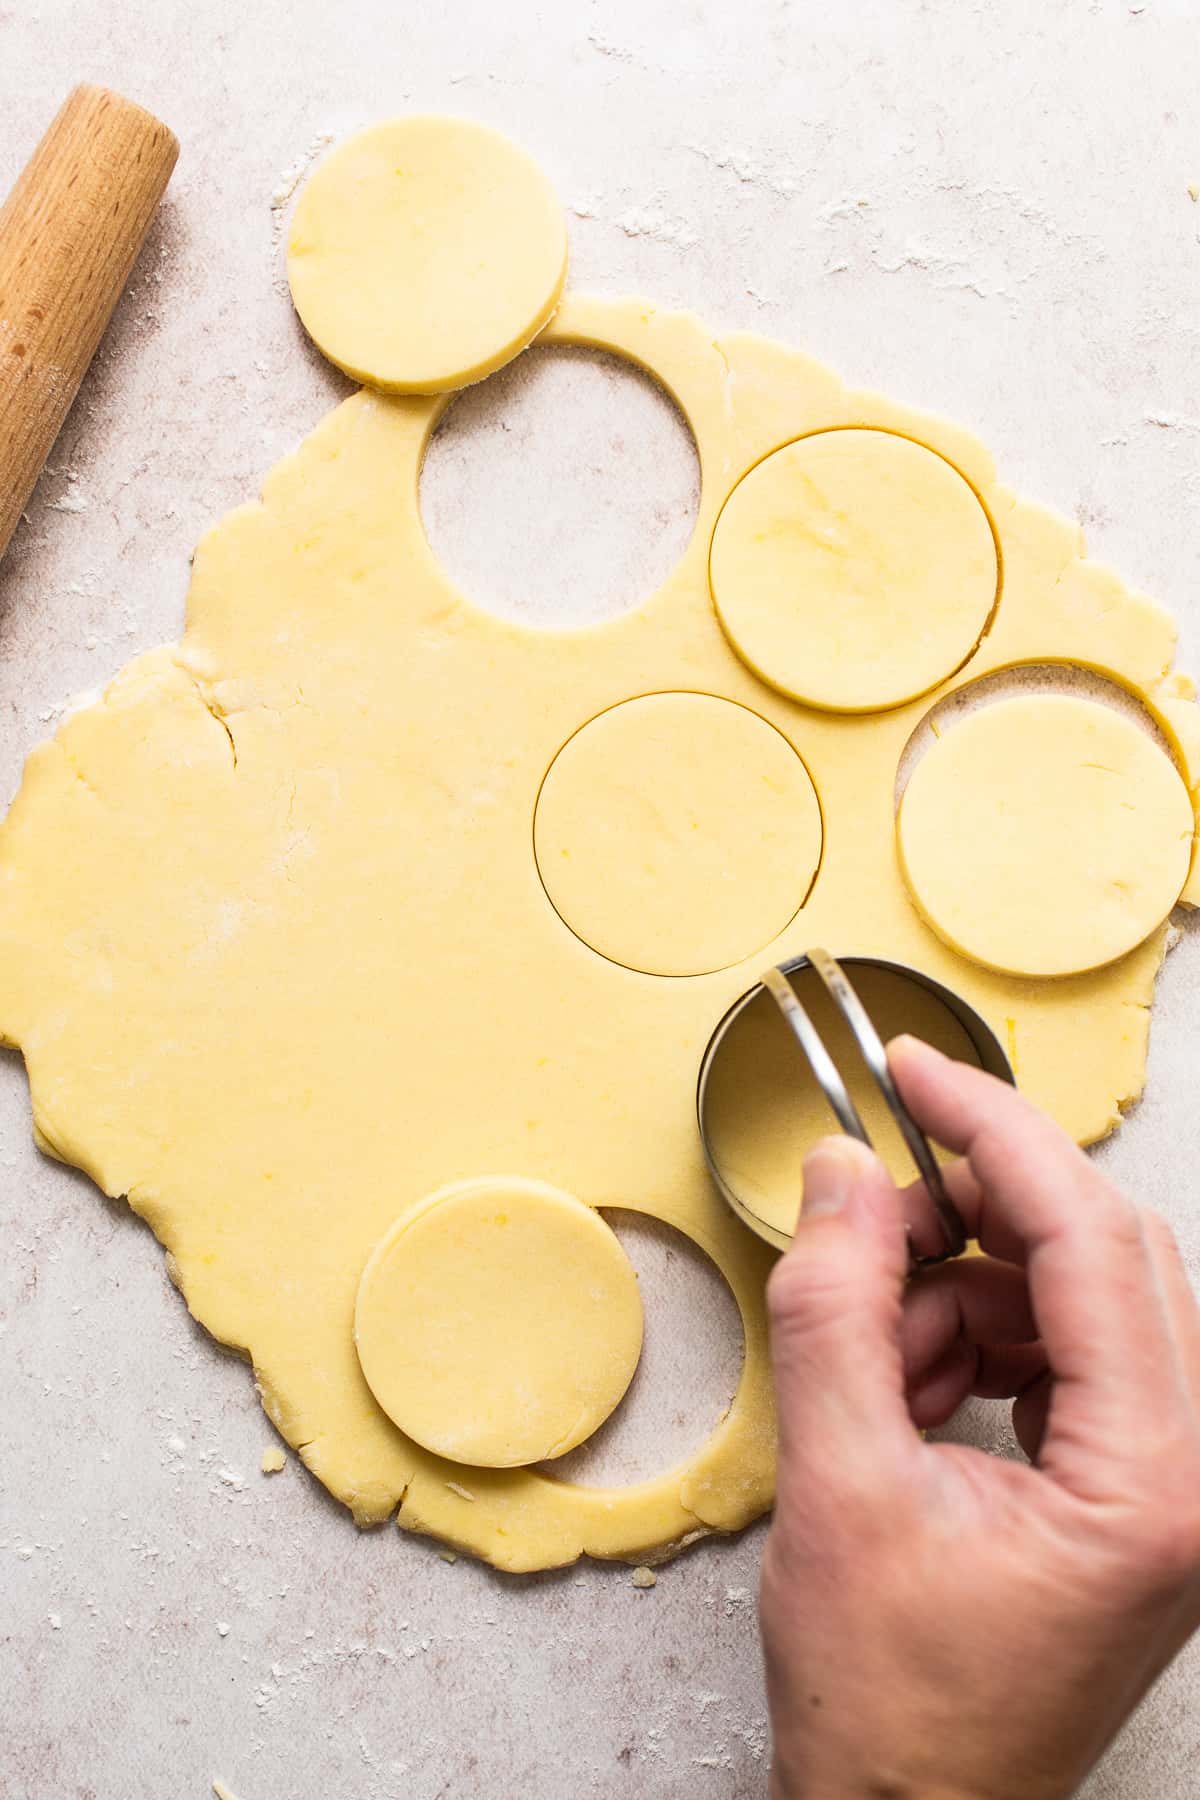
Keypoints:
(853, 570)
(677, 833)
(425, 253)
(499, 1322)
(1045, 836)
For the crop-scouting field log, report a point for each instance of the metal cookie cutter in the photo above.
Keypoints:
(785, 985)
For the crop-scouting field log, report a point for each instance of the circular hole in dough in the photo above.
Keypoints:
(853, 570)
(692, 1324)
(426, 252)
(764, 1109)
(677, 833)
(564, 490)
(1045, 836)
(498, 1322)
(1015, 681)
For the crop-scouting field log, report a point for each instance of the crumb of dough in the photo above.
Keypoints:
(644, 1578)
(221, 1791)
(463, 1493)
(1194, 190)
(448, 1555)
(272, 1460)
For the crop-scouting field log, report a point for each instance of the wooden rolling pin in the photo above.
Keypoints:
(70, 232)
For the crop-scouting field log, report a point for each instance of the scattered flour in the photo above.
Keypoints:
(290, 180)
(649, 222)
(744, 168)
(737, 1600)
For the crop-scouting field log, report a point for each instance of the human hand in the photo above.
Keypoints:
(937, 1621)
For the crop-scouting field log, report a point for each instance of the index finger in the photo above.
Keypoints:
(1091, 1282)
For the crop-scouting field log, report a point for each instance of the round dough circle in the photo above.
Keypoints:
(1045, 836)
(677, 833)
(853, 570)
(425, 253)
(499, 1322)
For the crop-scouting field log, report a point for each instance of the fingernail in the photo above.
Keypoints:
(907, 1045)
(828, 1178)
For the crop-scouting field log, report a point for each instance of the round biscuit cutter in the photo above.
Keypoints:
(832, 974)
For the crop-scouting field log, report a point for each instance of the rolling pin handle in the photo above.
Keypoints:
(70, 232)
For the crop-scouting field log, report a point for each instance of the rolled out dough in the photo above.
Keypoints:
(1045, 835)
(425, 253)
(274, 943)
(499, 1323)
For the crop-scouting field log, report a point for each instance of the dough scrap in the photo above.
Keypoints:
(1046, 835)
(499, 1323)
(270, 998)
(425, 253)
(677, 834)
(853, 570)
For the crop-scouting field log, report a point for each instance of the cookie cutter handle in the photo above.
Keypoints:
(819, 1059)
(871, 1049)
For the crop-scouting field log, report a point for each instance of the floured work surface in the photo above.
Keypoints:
(275, 944)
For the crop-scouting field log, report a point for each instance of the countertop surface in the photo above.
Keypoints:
(983, 210)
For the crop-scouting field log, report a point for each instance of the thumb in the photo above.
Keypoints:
(835, 1302)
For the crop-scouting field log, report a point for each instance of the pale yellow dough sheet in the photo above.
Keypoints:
(274, 942)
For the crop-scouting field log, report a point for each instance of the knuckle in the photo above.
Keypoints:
(1119, 1219)
(816, 1306)
(805, 1290)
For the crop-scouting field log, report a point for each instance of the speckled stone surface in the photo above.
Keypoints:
(982, 209)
